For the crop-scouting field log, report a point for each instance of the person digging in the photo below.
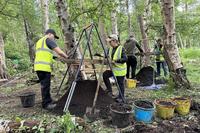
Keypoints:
(43, 64)
(118, 58)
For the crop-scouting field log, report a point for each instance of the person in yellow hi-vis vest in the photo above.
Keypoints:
(160, 61)
(118, 57)
(43, 63)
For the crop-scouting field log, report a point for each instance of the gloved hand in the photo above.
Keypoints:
(119, 61)
(55, 57)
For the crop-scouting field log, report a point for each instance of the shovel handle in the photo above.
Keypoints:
(98, 84)
(87, 26)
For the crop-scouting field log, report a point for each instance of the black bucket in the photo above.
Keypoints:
(27, 99)
(120, 119)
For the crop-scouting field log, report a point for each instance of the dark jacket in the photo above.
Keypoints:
(130, 45)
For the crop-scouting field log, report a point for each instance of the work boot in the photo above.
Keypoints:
(50, 106)
(110, 94)
(118, 100)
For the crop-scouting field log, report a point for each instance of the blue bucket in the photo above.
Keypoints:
(144, 111)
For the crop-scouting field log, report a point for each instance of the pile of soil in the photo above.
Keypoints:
(168, 126)
(180, 98)
(121, 107)
(195, 106)
(83, 97)
(144, 104)
(145, 76)
(166, 103)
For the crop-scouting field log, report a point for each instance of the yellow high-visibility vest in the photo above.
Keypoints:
(160, 56)
(119, 69)
(43, 56)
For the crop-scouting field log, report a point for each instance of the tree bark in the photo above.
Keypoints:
(171, 52)
(144, 31)
(102, 28)
(129, 18)
(29, 35)
(68, 32)
(3, 74)
(45, 8)
(114, 22)
(146, 59)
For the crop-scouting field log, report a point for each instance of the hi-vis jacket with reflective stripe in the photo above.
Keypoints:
(159, 54)
(43, 56)
(119, 69)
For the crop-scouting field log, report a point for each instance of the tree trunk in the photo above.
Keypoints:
(68, 32)
(171, 52)
(114, 22)
(146, 59)
(29, 38)
(29, 35)
(102, 29)
(3, 74)
(45, 8)
(129, 18)
(143, 21)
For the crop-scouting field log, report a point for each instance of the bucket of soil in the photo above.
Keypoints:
(27, 99)
(120, 114)
(183, 105)
(143, 111)
(165, 108)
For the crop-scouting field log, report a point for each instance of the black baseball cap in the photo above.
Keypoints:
(52, 32)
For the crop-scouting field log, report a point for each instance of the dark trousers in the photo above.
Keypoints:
(120, 80)
(164, 67)
(131, 62)
(45, 82)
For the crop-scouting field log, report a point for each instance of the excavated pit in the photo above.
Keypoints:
(83, 97)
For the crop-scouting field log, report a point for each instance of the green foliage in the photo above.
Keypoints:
(66, 124)
(190, 53)
(191, 59)
(17, 58)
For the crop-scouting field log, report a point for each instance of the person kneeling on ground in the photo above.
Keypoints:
(43, 63)
(118, 57)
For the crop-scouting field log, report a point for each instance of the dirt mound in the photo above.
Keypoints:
(144, 104)
(83, 97)
(145, 76)
(168, 127)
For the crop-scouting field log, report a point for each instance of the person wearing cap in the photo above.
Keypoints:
(118, 58)
(43, 62)
(160, 61)
(130, 47)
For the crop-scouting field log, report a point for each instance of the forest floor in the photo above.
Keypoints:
(11, 107)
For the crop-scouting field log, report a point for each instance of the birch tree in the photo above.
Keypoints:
(114, 21)
(129, 17)
(3, 74)
(171, 52)
(102, 28)
(68, 32)
(142, 18)
(45, 8)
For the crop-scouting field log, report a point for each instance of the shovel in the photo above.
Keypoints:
(92, 113)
